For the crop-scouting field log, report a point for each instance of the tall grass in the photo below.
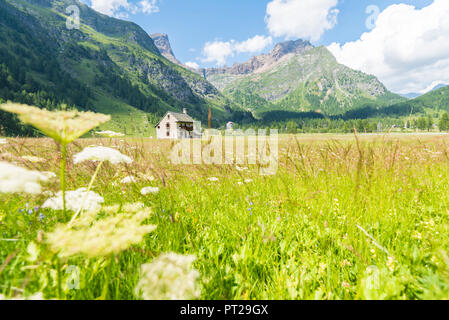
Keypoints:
(342, 219)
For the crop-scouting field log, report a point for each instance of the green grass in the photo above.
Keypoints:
(335, 211)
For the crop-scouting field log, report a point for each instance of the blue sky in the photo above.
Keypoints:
(223, 27)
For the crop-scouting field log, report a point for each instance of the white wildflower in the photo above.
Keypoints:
(103, 237)
(248, 180)
(168, 277)
(62, 126)
(36, 296)
(15, 179)
(49, 174)
(33, 159)
(101, 154)
(48, 193)
(241, 168)
(149, 190)
(129, 179)
(74, 201)
(110, 134)
(213, 179)
(3, 141)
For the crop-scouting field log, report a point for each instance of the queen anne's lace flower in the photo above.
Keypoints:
(101, 154)
(49, 174)
(149, 190)
(129, 179)
(241, 168)
(62, 126)
(3, 141)
(168, 277)
(33, 159)
(213, 179)
(15, 179)
(110, 134)
(36, 296)
(74, 201)
(95, 238)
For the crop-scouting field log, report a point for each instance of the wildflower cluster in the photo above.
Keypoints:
(80, 199)
(100, 237)
(62, 126)
(14, 179)
(168, 277)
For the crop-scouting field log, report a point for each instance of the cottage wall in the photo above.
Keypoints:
(170, 132)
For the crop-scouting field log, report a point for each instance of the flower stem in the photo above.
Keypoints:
(62, 174)
(58, 266)
(88, 190)
(104, 294)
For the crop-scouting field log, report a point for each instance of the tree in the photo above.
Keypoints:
(421, 124)
(444, 122)
(292, 127)
(429, 123)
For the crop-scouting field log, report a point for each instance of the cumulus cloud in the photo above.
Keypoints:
(120, 8)
(255, 44)
(307, 19)
(149, 6)
(192, 65)
(220, 51)
(217, 51)
(109, 7)
(408, 49)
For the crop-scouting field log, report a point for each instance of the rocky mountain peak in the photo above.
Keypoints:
(257, 62)
(163, 44)
(295, 46)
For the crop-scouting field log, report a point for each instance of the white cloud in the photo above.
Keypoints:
(220, 51)
(217, 51)
(408, 49)
(110, 7)
(149, 6)
(120, 8)
(252, 45)
(307, 19)
(192, 65)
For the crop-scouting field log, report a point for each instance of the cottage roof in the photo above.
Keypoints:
(179, 117)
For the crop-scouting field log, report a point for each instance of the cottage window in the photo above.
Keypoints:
(168, 125)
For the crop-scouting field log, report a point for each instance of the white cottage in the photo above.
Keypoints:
(177, 126)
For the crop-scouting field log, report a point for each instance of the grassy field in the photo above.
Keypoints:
(343, 218)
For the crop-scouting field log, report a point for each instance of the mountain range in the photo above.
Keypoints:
(107, 65)
(296, 76)
(113, 66)
(414, 95)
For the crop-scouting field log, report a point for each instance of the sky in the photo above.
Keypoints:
(405, 43)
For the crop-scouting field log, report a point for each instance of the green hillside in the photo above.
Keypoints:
(108, 65)
(311, 80)
(437, 100)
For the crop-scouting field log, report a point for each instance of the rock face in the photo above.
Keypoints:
(300, 77)
(163, 44)
(264, 60)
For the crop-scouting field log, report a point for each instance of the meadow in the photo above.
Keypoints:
(345, 217)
